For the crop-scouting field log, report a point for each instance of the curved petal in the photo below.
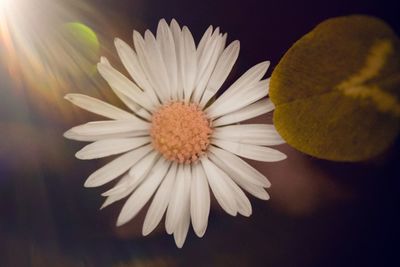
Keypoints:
(248, 80)
(237, 167)
(96, 137)
(166, 43)
(177, 204)
(251, 111)
(160, 202)
(108, 127)
(176, 34)
(260, 153)
(220, 187)
(243, 181)
(99, 107)
(124, 86)
(239, 100)
(188, 62)
(199, 200)
(117, 167)
(108, 147)
(144, 192)
(222, 69)
(253, 134)
(132, 65)
(182, 227)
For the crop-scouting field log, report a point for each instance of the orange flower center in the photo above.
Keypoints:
(180, 132)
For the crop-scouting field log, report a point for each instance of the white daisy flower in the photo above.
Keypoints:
(174, 145)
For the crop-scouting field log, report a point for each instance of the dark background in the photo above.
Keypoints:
(320, 214)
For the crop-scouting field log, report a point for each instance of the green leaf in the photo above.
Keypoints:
(337, 90)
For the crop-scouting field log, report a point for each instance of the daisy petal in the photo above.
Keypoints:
(188, 61)
(176, 34)
(124, 86)
(239, 100)
(243, 181)
(251, 111)
(126, 100)
(160, 202)
(200, 200)
(176, 204)
(109, 127)
(158, 70)
(243, 203)
(117, 167)
(207, 64)
(183, 221)
(96, 137)
(132, 65)
(142, 167)
(249, 79)
(166, 43)
(144, 192)
(132, 179)
(260, 153)
(113, 195)
(253, 134)
(108, 147)
(97, 106)
(220, 187)
(222, 69)
(238, 167)
(203, 41)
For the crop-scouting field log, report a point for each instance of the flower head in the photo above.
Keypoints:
(176, 142)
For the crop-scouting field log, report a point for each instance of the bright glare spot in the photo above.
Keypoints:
(3, 3)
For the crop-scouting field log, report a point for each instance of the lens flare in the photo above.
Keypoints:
(49, 47)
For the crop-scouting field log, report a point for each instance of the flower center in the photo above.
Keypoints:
(180, 132)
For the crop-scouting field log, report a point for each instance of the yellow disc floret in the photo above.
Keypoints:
(180, 132)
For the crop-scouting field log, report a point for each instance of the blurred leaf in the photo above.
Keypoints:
(337, 90)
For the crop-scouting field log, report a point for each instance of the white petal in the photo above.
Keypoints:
(222, 69)
(218, 181)
(176, 33)
(256, 109)
(240, 100)
(109, 127)
(120, 191)
(176, 203)
(246, 182)
(131, 63)
(136, 175)
(126, 100)
(150, 60)
(253, 134)
(142, 167)
(202, 44)
(157, 66)
(144, 192)
(249, 79)
(200, 200)
(237, 167)
(207, 64)
(242, 202)
(124, 86)
(116, 167)
(160, 201)
(96, 137)
(108, 147)
(188, 61)
(181, 230)
(260, 153)
(98, 107)
(166, 43)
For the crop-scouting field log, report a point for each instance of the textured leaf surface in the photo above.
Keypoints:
(337, 90)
